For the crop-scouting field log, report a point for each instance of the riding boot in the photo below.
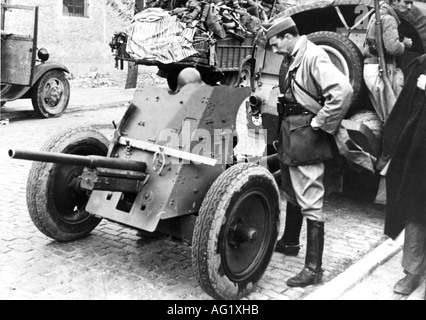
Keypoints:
(312, 272)
(289, 243)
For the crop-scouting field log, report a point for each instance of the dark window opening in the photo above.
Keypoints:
(75, 8)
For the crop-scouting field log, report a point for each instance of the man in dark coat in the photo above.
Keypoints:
(405, 145)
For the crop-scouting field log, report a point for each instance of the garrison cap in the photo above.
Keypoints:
(279, 26)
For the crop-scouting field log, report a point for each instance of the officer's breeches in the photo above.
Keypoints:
(308, 189)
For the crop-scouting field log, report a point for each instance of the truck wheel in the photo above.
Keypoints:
(55, 202)
(4, 89)
(51, 94)
(236, 231)
(230, 79)
(244, 76)
(347, 57)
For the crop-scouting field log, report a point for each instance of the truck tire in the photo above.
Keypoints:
(236, 231)
(238, 79)
(50, 94)
(347, 57)
(244, 76)
(4, 89)
(55, 203)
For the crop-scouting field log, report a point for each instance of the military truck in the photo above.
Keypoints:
(222, 55)
(26, 72)
(339, 27)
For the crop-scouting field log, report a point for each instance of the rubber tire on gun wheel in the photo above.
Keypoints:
(348, 58)
(40, 94)
(236, 231)
(56, 208)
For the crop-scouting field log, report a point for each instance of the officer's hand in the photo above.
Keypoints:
(421, 82)
(408, 43)
(314, 123)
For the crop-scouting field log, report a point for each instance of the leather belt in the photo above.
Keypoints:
(294, 109)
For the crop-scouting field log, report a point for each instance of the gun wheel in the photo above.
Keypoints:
(236, 231)
(55, 202)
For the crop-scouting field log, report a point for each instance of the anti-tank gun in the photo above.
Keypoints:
(169, 168)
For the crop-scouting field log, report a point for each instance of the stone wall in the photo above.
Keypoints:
(80, 43)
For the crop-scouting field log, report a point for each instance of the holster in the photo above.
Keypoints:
(290, 108)
(280, 106)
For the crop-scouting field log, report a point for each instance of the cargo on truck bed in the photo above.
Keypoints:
(217, 39)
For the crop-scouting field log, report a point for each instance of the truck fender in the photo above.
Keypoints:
(41, 69)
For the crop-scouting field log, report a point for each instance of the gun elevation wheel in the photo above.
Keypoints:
(236, 231)
(55, 202)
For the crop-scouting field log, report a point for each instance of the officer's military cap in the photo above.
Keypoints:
(279, 26)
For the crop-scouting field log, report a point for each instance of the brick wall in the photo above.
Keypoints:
(79, 43)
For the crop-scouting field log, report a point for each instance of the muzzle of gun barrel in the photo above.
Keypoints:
(255, 105)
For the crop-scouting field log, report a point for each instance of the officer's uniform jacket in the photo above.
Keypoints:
(319, 76)
(315, 73)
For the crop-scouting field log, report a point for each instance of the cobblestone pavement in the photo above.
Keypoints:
(115, 263)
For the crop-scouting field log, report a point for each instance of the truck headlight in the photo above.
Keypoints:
(43, 54)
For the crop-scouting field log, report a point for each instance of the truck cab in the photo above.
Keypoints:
(26, 72)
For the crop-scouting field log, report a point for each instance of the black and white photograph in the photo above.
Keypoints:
(213, 155)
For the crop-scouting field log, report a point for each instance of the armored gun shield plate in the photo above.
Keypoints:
(190, 129)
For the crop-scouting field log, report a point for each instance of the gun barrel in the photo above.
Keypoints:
(90, 161)
(255, 105)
